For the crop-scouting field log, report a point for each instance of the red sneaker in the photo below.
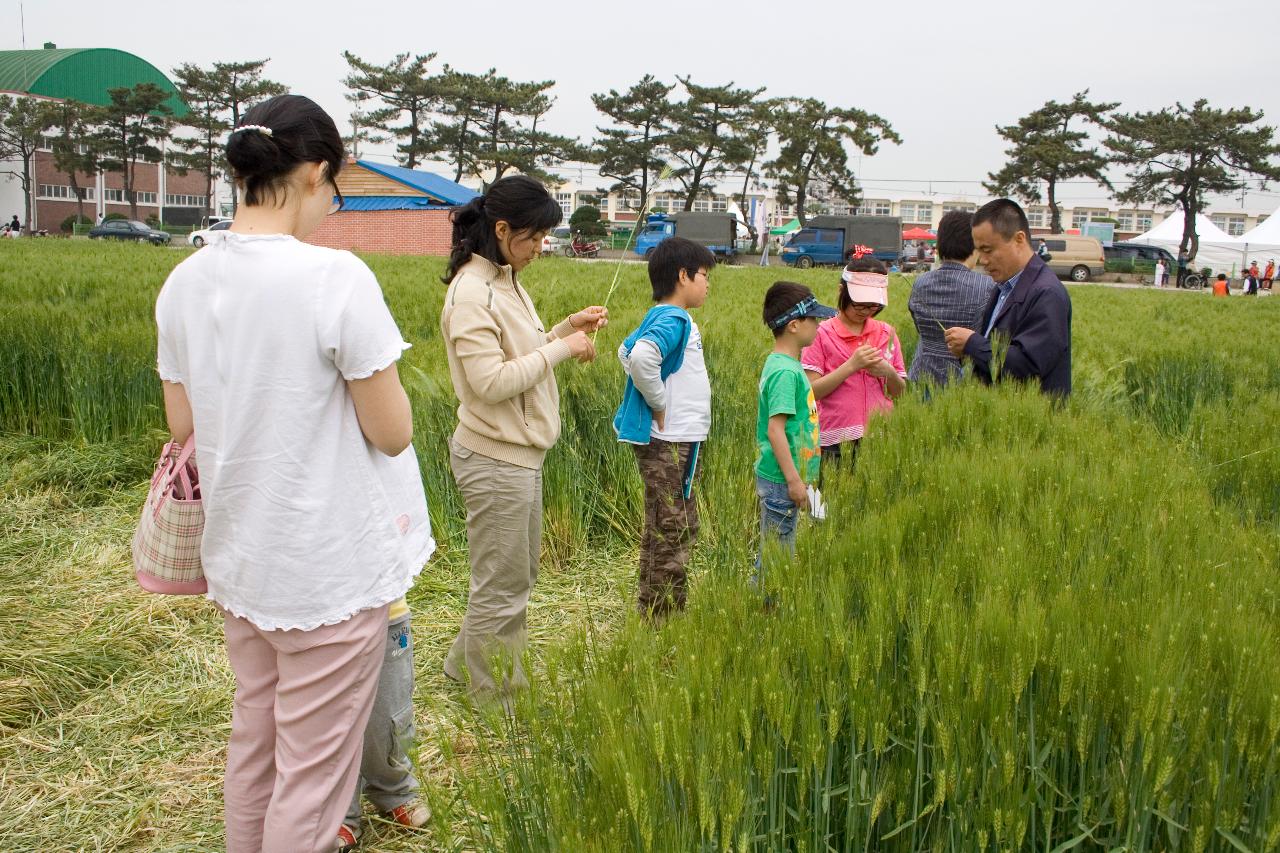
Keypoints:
(347, 840)
(413, 814)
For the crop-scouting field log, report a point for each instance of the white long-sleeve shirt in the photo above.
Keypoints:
(685, 396)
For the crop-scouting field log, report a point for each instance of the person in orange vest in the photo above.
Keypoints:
(1269, 273)
(1220, 286)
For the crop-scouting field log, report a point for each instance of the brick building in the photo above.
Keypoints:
(86, 75)
(392, 210)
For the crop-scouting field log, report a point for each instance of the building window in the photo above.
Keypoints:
(1143, 220)
(719, 205)
(701, 205)
(59, 191)
(1079, 216)
(875, 207)
(145, 198)
(113, 195)
(916, 211)
(565, 200)
(1036, 218)
(963, 207)
(1124, 220)
(172, 200)
(1233, 225)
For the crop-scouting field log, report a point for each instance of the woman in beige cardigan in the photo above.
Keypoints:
(502, 361)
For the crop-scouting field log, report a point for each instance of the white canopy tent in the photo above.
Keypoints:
(1263, 242)
(1218, 250)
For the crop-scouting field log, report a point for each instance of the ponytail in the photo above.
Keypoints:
(520, 201)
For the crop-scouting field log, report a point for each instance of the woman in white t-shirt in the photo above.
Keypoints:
(281, 357)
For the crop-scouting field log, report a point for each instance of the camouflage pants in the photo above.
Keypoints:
(670, 526)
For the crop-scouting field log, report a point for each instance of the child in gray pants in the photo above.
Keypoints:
(386, 773)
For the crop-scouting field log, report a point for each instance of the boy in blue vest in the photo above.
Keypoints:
(665, 416)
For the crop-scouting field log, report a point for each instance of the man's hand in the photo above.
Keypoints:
(590, 319)
(957, 337)
(799, 493)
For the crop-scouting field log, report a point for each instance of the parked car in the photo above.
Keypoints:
(835, 239)
(208, 235)
(130, 229)
(1078, 258)
(1140, 252)
(556, 240)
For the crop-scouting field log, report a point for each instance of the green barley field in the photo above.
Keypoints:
(1020, 627)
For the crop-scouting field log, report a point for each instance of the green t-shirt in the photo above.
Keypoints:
(785, 390)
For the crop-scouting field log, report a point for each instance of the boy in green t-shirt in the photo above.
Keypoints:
(787, 414)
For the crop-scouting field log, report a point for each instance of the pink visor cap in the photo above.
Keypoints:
(867, 287)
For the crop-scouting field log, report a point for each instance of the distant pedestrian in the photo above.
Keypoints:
(1182, 266)
(15, 227)
(1220, 287)
(1251, 281)
(1269, 274)
(952, 295)
(1043, 251)
(1161, 272)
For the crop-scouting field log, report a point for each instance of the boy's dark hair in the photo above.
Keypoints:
(672, 255)
(955, 236)
(518, 200)
(1006, 218)
(300, 132)
(867, 264)
(1222, 276)
(780, 298)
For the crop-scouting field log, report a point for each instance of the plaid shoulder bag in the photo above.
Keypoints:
(166, 546)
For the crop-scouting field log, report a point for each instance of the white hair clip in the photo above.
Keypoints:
(265, 131)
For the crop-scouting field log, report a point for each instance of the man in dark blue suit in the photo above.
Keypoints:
(1029, 314)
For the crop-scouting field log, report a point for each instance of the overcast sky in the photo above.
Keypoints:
(943, 74)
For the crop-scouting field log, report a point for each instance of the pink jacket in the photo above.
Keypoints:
(843, 414)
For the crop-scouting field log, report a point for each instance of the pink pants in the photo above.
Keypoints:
(297, 727)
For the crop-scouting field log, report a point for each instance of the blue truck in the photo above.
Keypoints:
(835, 239)
(717, 231)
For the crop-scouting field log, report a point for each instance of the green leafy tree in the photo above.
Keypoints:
(629, 152)
(240, 85)
(460, 114)
(1046, 148)
(410, 95)
(74, 151)
(130, 129)
(757, 130)
(1178, 156)
(202, 151)
(362, 130)
(707, 137)
(508, 131)
(813, 153)
(21, 126)
(586, 221)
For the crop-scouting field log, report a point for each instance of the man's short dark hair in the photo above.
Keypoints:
(1006, 218)
(672, 255)
(955, 236)
(780, 298)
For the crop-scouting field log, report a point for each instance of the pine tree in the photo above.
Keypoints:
(204, 92)
(706, 139)
(630, 151)
(409, 94)
(812, 138)
(129, 130)
(1046, 149)
(21, 126)
(1178, 156)
(74, 150)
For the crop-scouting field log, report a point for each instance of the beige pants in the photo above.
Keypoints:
(504, 535)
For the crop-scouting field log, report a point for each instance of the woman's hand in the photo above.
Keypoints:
(580, 347)
(590, 319)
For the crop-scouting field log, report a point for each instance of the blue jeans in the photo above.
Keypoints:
(778, 517)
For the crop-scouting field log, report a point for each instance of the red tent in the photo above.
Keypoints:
(918, 233)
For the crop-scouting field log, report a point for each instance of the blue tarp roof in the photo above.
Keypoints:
(443, 189)
(391, 202)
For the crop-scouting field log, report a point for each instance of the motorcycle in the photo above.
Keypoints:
(580, 248)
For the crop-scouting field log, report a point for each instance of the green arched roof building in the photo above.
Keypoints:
(81, 74)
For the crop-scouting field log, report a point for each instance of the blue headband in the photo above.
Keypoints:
(795, 312)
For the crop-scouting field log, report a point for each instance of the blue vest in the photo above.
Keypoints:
(668, 327)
